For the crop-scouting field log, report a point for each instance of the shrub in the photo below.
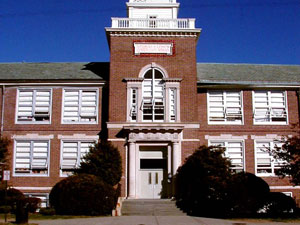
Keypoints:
(279, 204)
(201, 182)
(47, 211)
(13, 195)
(104, 161)
(82, 194)
(247, 193)
(32, 204)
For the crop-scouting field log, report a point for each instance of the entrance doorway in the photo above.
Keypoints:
(153, 172)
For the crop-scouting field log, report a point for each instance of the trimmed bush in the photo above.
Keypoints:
(32, 204)
(201, 183)
(13, 196)
(82, 194)
(279, 204)
(47, 211)
(104, 161)
(248, 193)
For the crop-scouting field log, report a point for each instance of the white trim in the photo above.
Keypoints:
(272, 166)
(53, 84)
(79, 152)
(158, 125)
(225, 106)
(33, 90)
(226, 137)
(34, 188)
(33, 136)
(48, 158)
(80, 90)
(269, 106)
(116, 139)
(192, 140)
(267, 137)
(284, 187)
(242, 141)
(78, 137)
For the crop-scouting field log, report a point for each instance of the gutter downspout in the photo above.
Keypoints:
(2, 110)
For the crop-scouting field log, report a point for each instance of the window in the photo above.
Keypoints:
(44, 198)
(234, 150)
(225, 107)
(80, 106)
(72, 153)
(270, 107)
(153, 105)
(152, 21)
(134, 104)
(266, 165)
(173, 101)
(31, 157)
(34, 106)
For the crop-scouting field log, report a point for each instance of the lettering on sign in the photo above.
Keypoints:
(153, 48)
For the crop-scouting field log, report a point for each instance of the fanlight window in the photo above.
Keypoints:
(153, 104)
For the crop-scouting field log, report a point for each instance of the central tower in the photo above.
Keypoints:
(152, 94)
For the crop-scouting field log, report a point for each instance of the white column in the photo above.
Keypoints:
(132, 170)
(176, 156)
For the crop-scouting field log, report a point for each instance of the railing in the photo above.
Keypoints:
(153, 23)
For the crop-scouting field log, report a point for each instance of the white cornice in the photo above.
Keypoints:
(111, 125)
(125, 32)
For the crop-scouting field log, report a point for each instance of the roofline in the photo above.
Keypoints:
(247, 85)
(49, 83)
(246, 64)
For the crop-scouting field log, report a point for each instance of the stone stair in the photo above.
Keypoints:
(145, 207)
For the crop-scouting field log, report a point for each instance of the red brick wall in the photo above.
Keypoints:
(125, 64)
(55, 128)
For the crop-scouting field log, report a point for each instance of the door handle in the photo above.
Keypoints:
(156, 178)
(149, 178)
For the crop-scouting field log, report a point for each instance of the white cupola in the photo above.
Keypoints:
(152, 9)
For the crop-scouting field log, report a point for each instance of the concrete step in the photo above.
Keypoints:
(145, 207)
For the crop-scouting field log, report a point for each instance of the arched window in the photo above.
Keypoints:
(153, 103)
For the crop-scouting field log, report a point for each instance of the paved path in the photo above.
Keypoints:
(149, 220)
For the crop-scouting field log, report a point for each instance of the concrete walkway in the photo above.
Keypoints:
(149, 220)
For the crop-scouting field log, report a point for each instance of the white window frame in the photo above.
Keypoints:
(30, 172)
(79, 154)
(225, 107)
(273, 166)
(133, 105)
(226, 142)
(80, 90)
(33, 90)
(270, 109)
(153, 101)
(172, 104)
(42, 196)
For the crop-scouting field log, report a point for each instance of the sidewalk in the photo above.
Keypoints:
(149, 220)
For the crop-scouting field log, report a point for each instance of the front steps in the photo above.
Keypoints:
(145, 207)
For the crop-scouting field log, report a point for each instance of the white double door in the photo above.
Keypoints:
(151, 183)
(152, 171)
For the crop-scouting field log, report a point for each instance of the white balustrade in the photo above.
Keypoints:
(153, 23)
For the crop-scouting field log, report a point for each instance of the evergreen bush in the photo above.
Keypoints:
(13, 196)
(279, 204)
(82, 194)
(247, 194)
(104, 161)
(201, 183)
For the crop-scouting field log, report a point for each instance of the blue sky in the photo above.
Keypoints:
(233, 31)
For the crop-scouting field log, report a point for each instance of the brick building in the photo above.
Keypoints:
(152, 100)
